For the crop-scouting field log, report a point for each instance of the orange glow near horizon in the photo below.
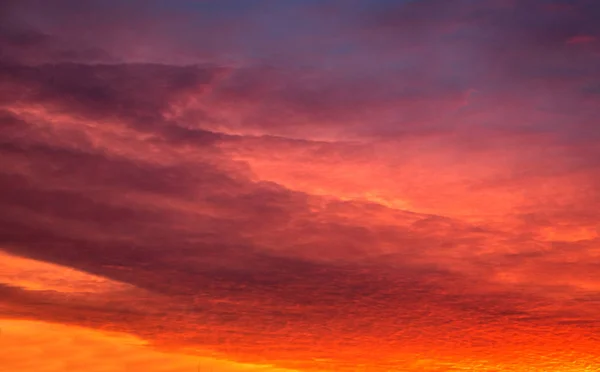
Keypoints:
(36, 346)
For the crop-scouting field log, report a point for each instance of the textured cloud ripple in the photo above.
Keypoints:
(300, 185)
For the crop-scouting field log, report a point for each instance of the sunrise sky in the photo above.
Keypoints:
(299, 185)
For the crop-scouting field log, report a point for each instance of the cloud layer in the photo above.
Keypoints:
(407, 185)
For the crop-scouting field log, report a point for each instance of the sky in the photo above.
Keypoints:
(299, 185)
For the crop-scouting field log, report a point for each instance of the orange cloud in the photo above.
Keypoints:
(37, 346)
(41, 276)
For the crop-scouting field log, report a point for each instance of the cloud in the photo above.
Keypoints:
(95, 351)
(421, 195)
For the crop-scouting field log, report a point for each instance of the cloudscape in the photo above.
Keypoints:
(299, 185)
